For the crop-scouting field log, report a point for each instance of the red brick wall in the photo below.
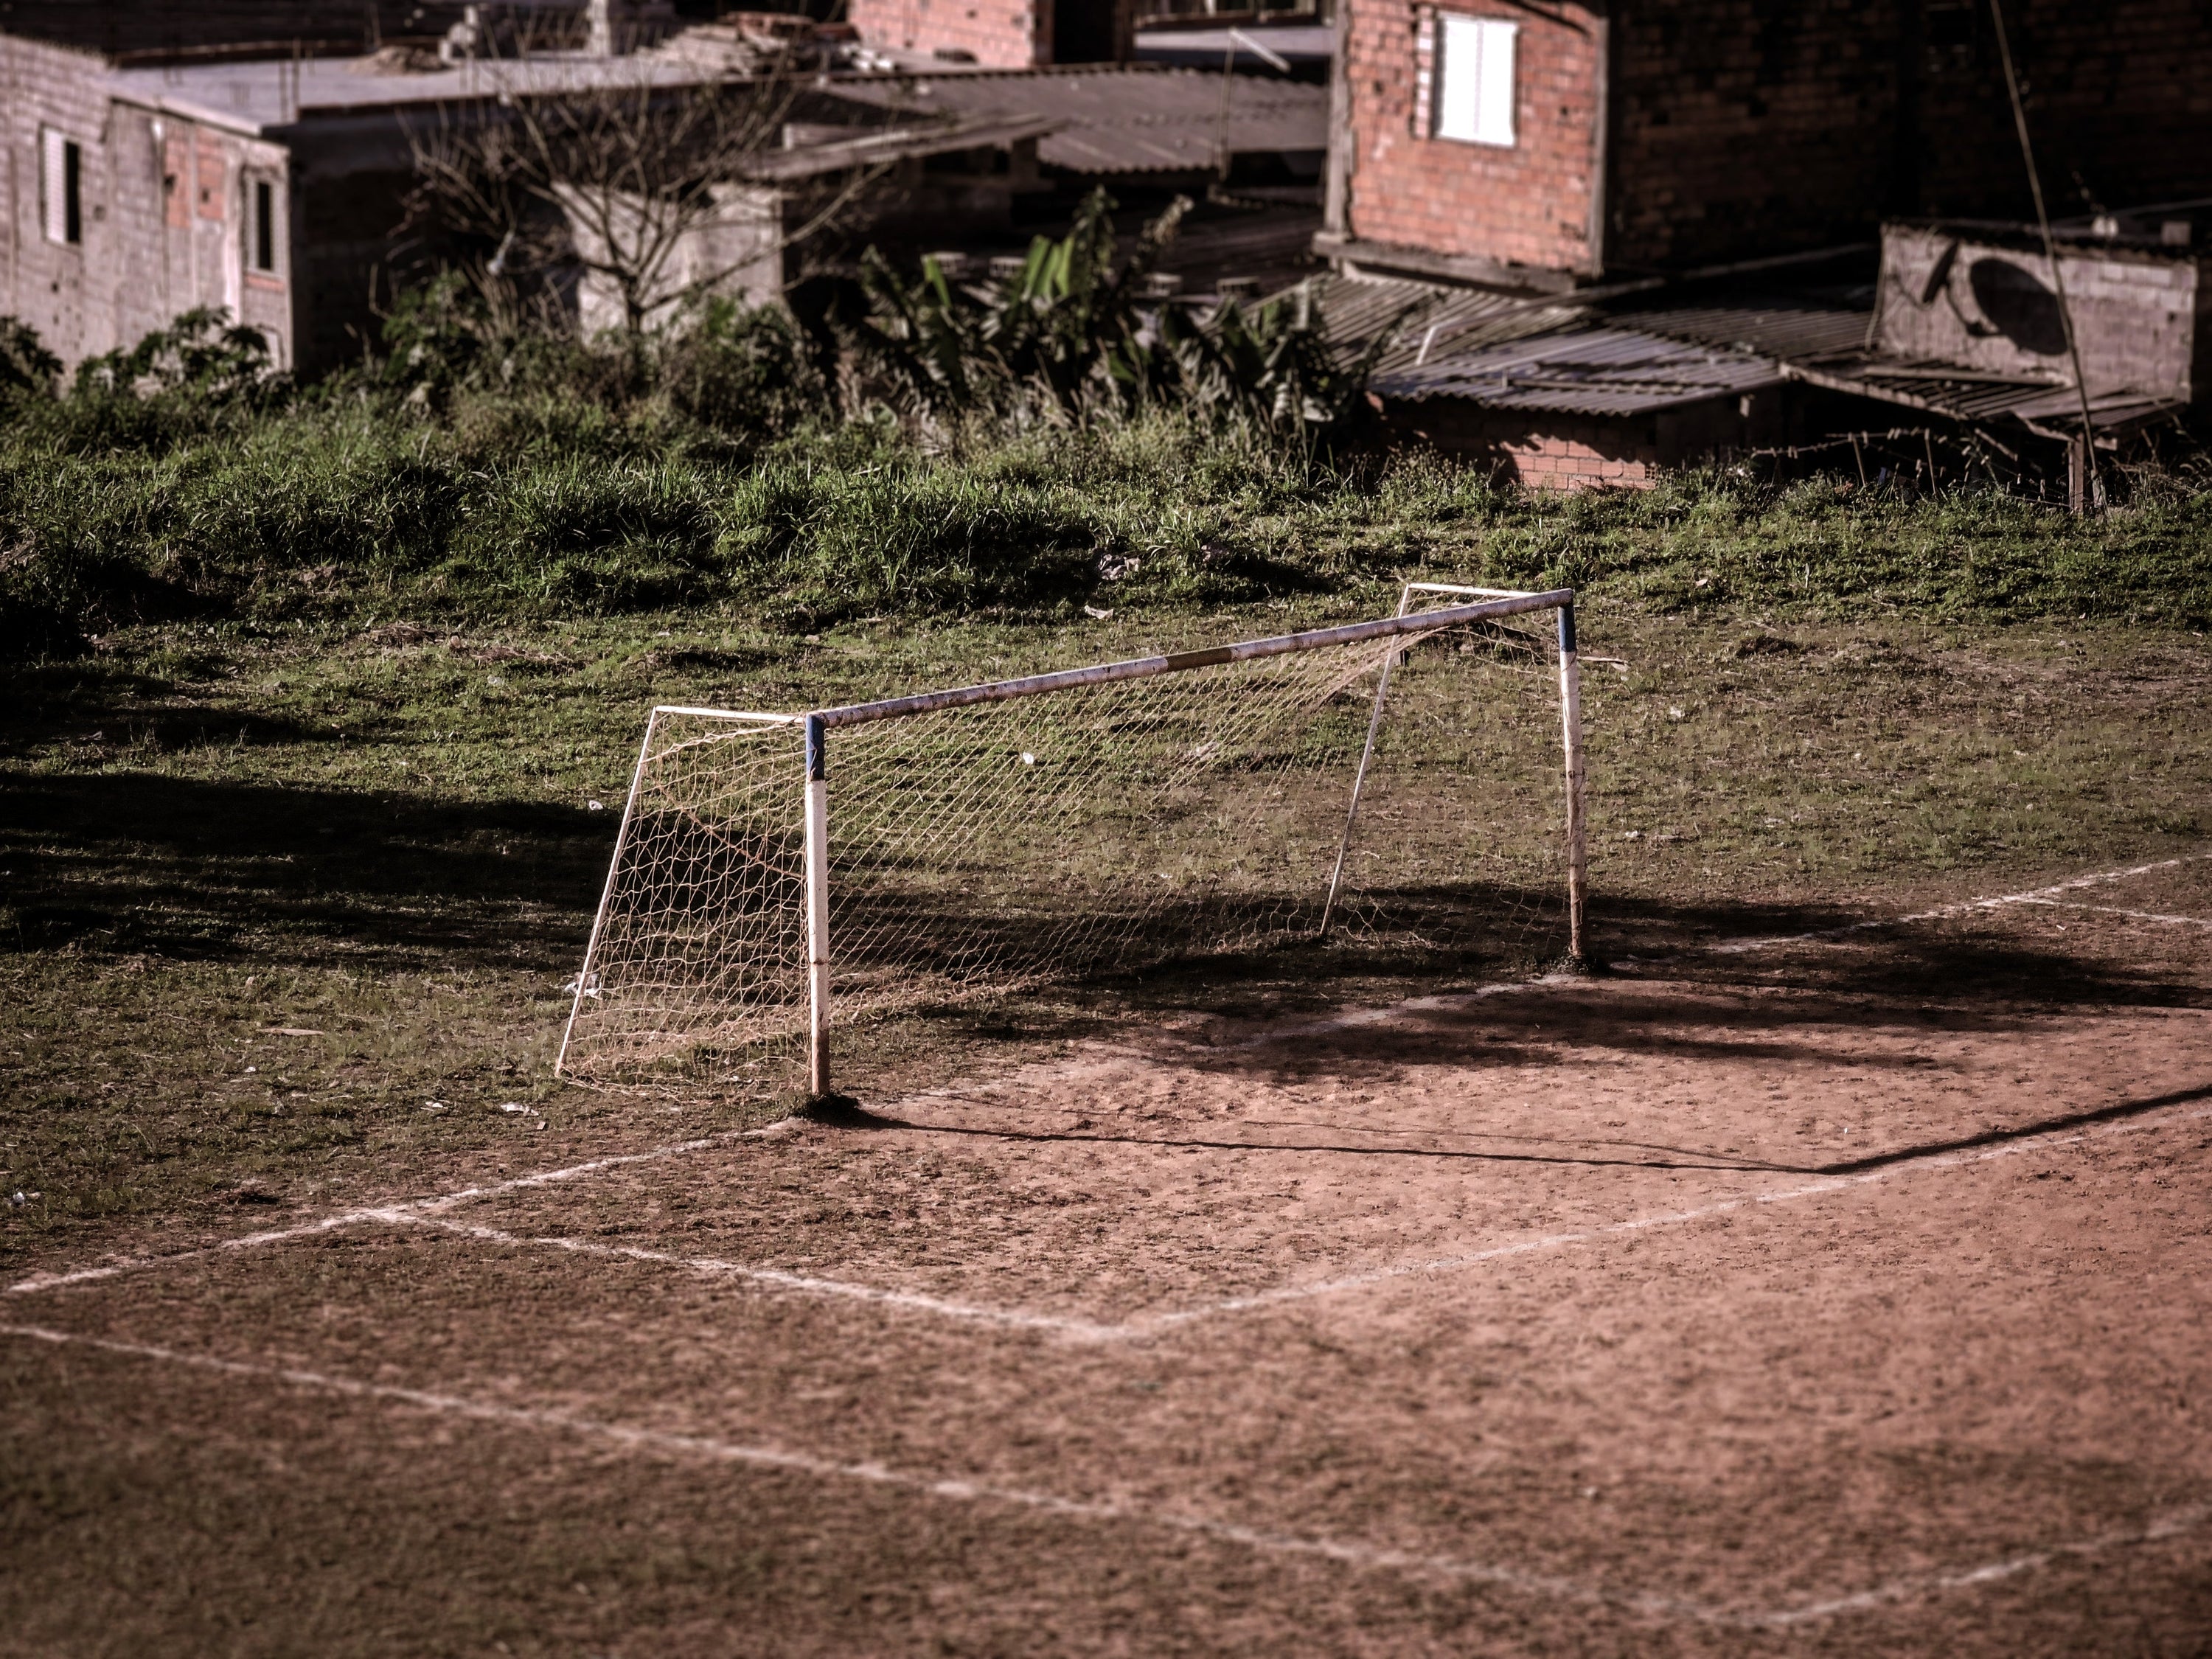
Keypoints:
(1539, 450)
(1546, 450)
(1741, 128)
(1001, 33)
(1749, 127)
(1527, 205)
(1754, 127)
(2120, 105)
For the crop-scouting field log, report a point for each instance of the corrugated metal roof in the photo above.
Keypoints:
(891, 144)
(1605, 370)
(1826, 346)
(1121, 118)
(1430, 321)
(1778, 326)
(2049, 409)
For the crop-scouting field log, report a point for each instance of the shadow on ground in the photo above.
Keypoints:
(140, 864)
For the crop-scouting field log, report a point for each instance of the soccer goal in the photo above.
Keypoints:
(1403, 794)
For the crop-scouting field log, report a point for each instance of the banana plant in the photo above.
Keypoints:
(1055, 329)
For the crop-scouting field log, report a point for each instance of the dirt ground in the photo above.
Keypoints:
(1848, 1294)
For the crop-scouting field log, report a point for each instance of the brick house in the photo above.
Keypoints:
(268, 188)
(160, 159)
(1566, 150)
(1000, 34)
(1540, 146)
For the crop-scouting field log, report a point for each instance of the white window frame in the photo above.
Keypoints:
(1476, 76)
(54, 181)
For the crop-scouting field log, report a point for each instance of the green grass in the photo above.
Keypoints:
(351, 509)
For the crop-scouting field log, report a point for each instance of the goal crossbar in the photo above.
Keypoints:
(1490, 603)
(1177, 662)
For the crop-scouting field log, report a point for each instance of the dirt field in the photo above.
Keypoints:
(1793, 1295)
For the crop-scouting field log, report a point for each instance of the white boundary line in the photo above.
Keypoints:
(2115, 910)
(1943, 913)
(398, 1211)
(1366, 1556)
(1346, 1020)
(1093, 1331)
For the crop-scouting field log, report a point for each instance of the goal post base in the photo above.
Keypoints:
(838, 1112)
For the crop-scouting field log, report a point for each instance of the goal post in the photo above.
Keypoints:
(778, 877)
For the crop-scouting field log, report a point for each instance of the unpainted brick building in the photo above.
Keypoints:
(1000, 34)
(1542, 145)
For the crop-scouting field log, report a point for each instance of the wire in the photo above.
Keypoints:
(2051, 251)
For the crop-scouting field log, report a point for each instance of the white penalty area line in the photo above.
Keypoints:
(778, 1278)
(1366, 1556)
(1290, 1294)
(401, 1210)
(1080, 1330)
(1944, 913)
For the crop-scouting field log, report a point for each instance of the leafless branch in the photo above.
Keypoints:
(611, 179)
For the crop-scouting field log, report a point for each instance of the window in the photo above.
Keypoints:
(263, 221)
(61, 181)
(1475, 79)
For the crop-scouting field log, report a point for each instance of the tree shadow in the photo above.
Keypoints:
(136, 863)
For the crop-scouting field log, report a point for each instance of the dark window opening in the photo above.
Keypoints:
(72, 193)
(264, 225)
(1083, 31)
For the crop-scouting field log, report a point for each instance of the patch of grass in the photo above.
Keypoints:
(516, 509)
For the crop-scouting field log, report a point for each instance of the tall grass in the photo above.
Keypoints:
(510, 480)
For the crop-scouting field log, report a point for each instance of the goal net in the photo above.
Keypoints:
(1400, 796)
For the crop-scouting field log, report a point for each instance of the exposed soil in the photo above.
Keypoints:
(1721, 1305)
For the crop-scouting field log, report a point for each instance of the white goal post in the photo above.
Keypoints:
(1003, 834)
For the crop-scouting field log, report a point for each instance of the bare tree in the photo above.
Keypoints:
(632, 173)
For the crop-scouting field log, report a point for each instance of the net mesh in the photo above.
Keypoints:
(1087, 835)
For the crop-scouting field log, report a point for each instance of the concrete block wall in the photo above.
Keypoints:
(66, 293)
(1527, 205)
(1992, 306)
(1000, 34)
(163, 213)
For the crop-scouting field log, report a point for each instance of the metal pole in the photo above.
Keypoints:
(1571, 716)
(584, 986)
(1359, 778)
(817, 911)
(1137, 668)
(2094, 493)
